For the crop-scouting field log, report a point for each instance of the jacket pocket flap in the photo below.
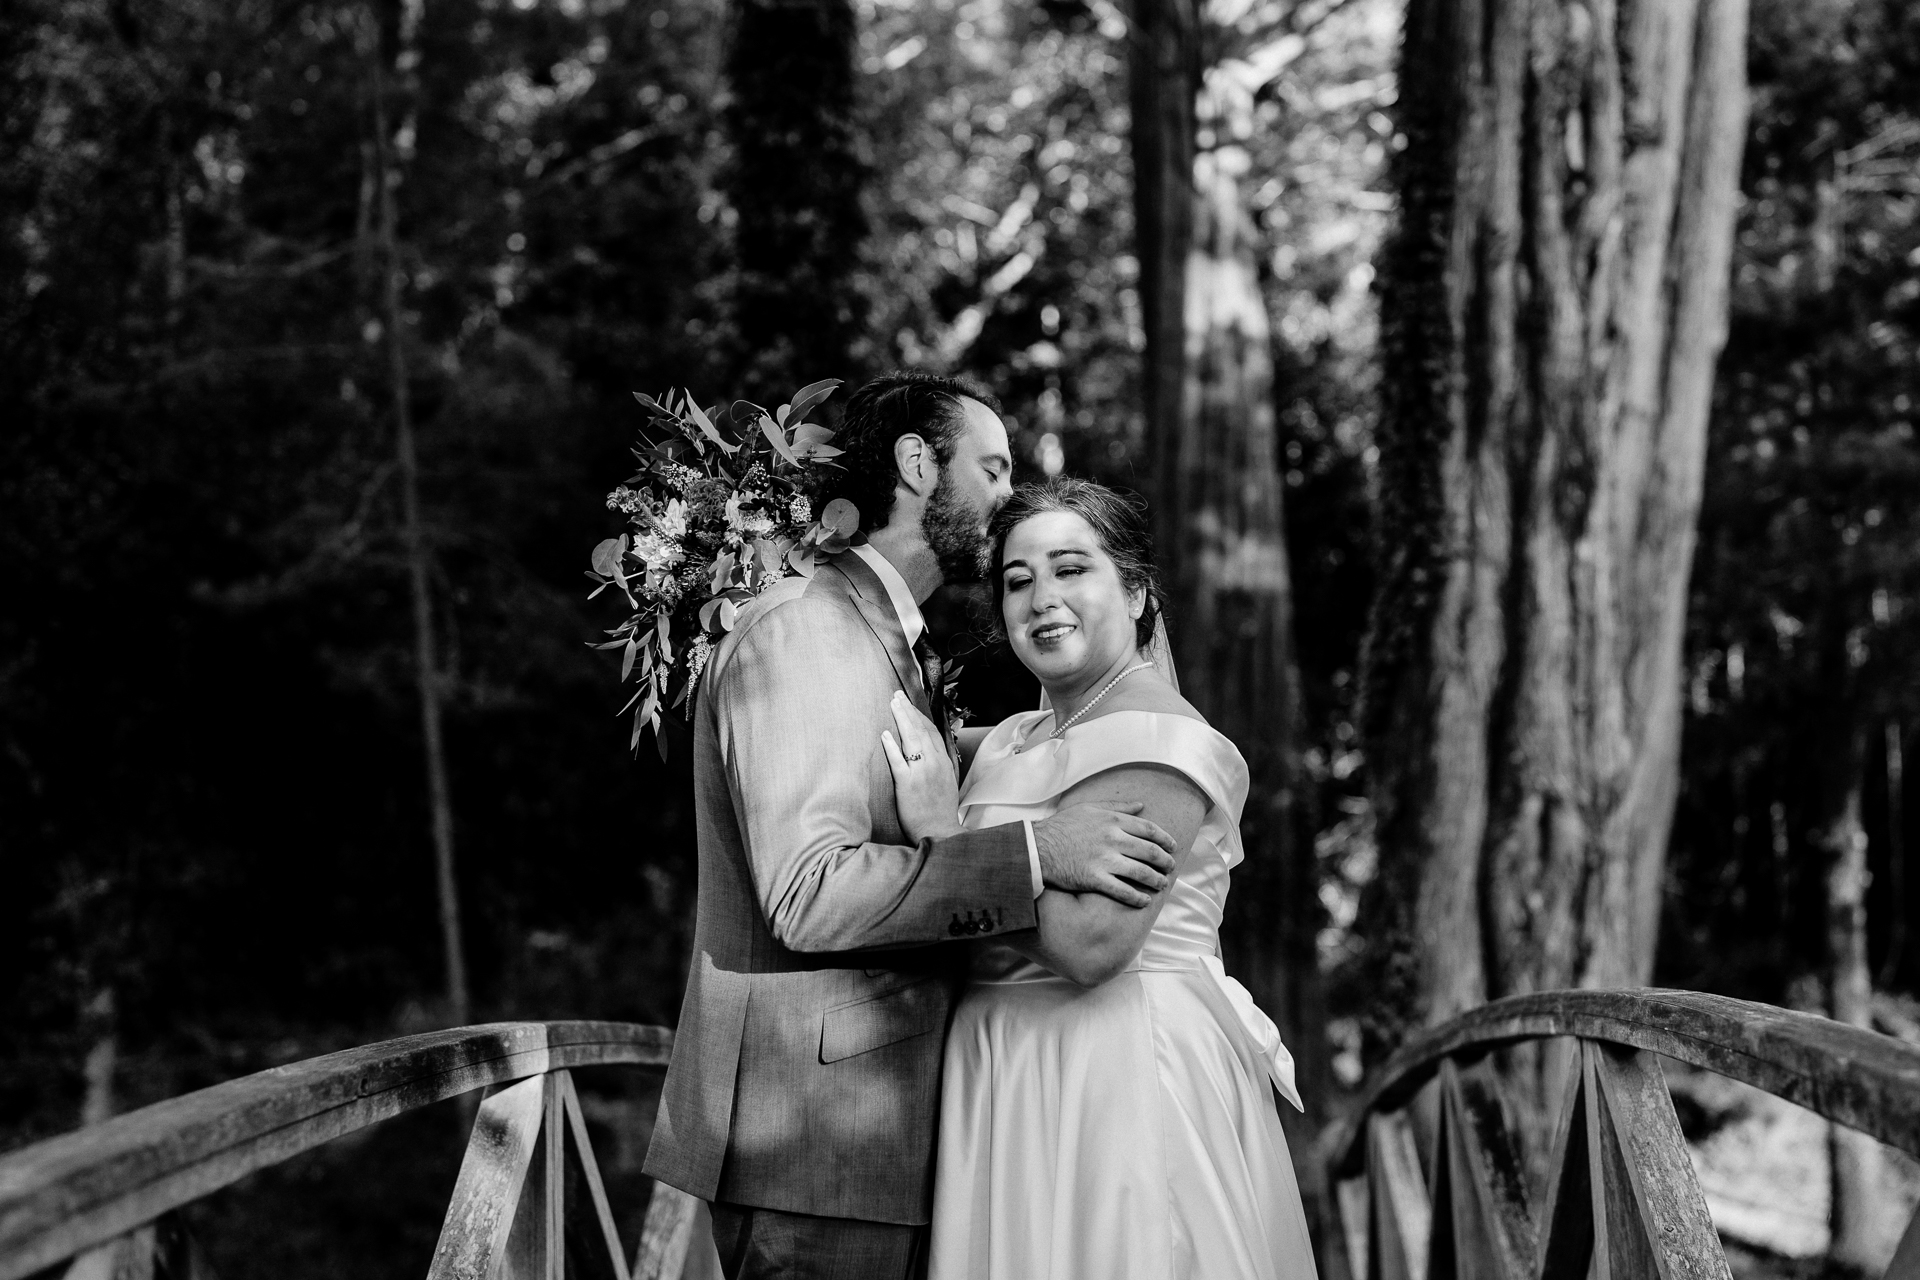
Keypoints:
(865, 1025)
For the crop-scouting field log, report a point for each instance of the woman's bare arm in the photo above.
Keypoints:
(1089, 938)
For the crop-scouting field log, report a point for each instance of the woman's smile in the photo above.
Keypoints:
(1049, 634)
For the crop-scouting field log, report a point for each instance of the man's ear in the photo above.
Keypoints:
(918, 469)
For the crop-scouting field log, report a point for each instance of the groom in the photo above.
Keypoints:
(804, 1088)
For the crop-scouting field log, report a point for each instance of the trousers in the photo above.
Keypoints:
(771, 1244)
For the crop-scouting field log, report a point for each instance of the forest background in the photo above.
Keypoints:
(229, 552)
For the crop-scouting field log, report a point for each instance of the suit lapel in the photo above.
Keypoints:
(870, 595)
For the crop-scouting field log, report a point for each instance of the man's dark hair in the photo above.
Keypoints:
(878, 414)
(1119, 523)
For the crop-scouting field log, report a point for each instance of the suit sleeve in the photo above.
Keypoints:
(800, 706)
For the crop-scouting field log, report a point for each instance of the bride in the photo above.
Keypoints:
(1108, 1101)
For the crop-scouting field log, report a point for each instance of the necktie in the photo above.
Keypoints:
(934, 672)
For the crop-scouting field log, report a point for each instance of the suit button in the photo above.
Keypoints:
(956, 929)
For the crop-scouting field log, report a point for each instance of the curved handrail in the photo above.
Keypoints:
(72, 1192)
(1858, 1078)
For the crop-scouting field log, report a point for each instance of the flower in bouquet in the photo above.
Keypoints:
(721, 509)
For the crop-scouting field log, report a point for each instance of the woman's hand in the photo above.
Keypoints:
(926, 790)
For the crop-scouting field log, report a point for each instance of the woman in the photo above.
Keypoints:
(1108, 1104)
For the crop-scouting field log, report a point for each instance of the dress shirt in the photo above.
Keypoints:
(911, 620)
(914, 624)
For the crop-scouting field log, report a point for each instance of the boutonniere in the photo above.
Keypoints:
(949, 697)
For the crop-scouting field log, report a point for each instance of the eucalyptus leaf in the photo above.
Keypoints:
(606, 555)
(810, 395)
(723, 568)
(810, 433)
(778, 440)
(707, 428)
(841, 517)
(637, 695)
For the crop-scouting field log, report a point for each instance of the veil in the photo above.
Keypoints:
(1159, 649)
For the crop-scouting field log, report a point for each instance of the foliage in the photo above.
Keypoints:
(1806, 601)
(793, 183)
(706, 540)
(198, 431)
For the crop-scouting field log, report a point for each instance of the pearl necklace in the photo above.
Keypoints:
(1061, 730)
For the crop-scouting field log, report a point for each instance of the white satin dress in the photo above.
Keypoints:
(1128, 1131)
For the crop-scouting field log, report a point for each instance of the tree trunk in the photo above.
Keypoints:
(1896, 856)
(1218, 517)
(794, 186)
(1232, 596)
(100, 1028)
(394, 153)
(1553, 301)
(1164, 78)
(1858, 1205)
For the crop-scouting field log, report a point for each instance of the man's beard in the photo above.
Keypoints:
(953, 531)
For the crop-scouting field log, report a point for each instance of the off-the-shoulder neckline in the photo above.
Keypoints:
(1024, 741)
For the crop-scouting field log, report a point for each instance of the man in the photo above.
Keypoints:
(803, 1094)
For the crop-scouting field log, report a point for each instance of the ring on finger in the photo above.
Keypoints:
(912, 756)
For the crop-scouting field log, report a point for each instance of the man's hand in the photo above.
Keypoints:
(1111, 851)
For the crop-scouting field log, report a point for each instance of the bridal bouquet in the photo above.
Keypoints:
(721, 509)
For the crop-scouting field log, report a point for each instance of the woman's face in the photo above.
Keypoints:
(1062, 602)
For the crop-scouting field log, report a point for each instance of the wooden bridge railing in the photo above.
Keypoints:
(1621, 1199)
(106, 1197)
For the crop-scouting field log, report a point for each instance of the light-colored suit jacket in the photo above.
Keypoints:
(806, 1066)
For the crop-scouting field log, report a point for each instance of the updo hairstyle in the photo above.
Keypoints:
(1119, 524)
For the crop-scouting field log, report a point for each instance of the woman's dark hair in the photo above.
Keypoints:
(1119, 523)
(877, 415)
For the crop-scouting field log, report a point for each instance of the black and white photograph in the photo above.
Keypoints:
(959, 639)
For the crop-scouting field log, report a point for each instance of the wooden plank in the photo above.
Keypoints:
(554, 1202)
(64, 1195)
(473, 1237)
(1859, 1078)
(1401, 1220)
(1665, 1213)
(666, 1234)
(1355, 1209)
(130, 1257)
(1621, 1248)
(1448, 1253)
(525, 1256)
(590, 1167)
(1481, 1223)
(1567, 1210)
(1906, 1256)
